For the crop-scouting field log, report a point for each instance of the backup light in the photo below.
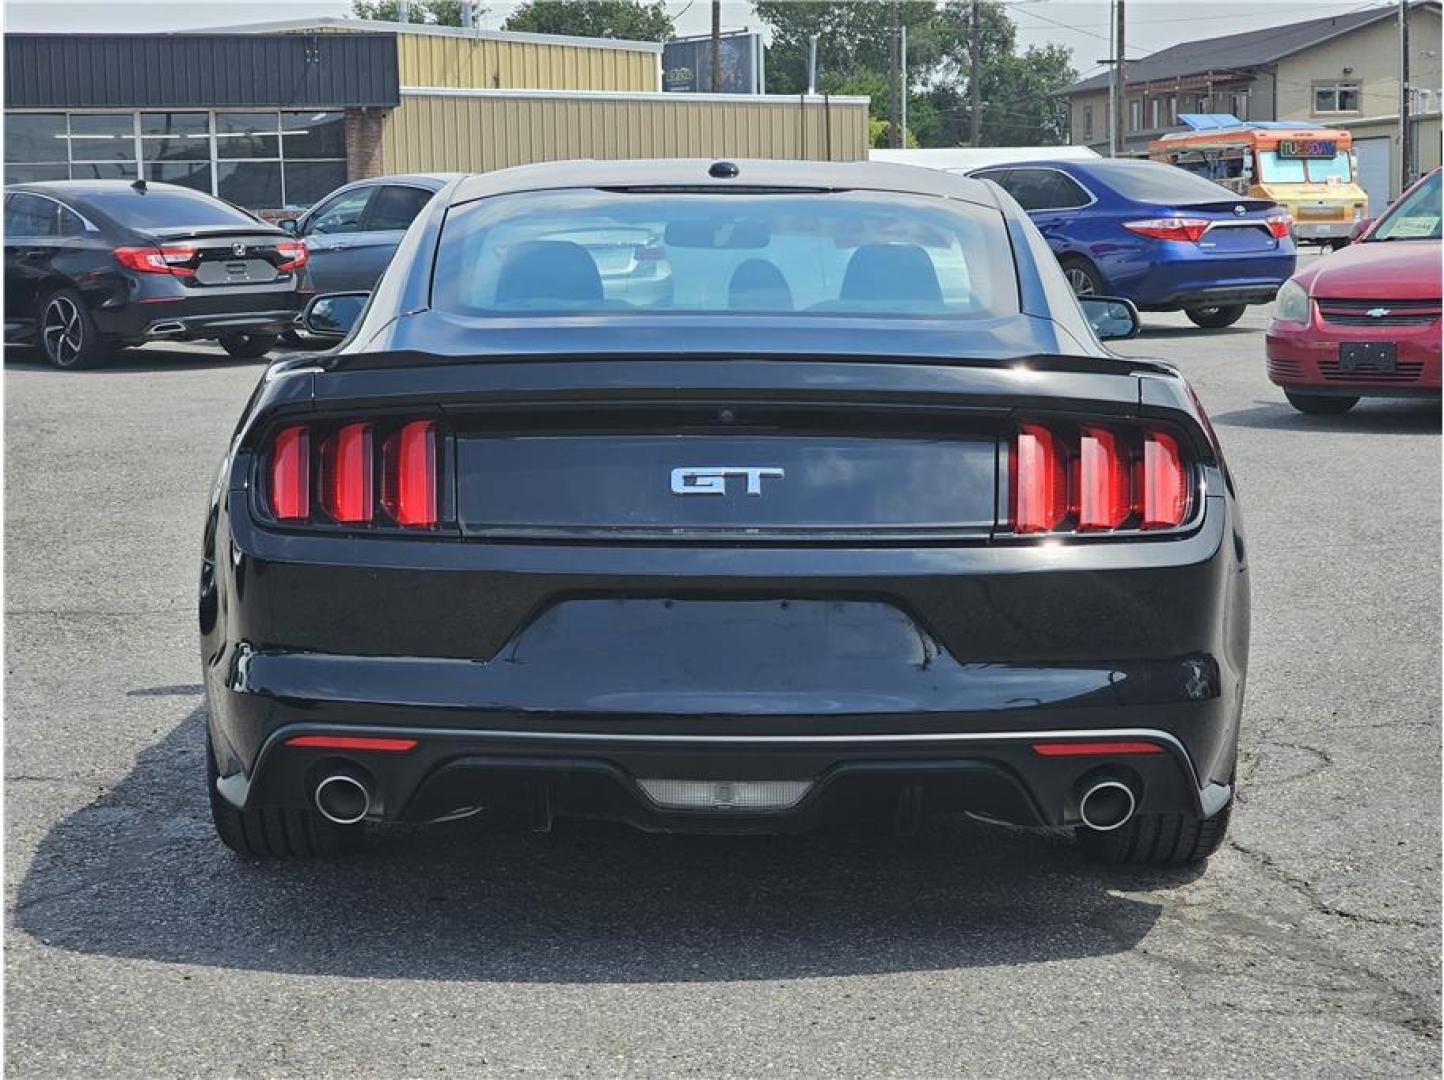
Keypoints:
(725, 794)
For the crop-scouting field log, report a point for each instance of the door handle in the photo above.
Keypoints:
(32, 254)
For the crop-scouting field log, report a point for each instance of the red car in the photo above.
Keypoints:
(1364, 321)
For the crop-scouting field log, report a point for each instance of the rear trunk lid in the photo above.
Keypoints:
(222, 257)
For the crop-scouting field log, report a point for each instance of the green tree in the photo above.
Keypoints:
(623, 19)
(1021, 106)
(852, 38)
(430, 12)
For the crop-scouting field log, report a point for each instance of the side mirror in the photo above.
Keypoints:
(1112, 317)
(291, 225)
(1360, 228)
(333, 315)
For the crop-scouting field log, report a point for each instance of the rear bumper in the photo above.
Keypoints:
(192, 327)
(1185, 276)
(166, 309)
(536, 776)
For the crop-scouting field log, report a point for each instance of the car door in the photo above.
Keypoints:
(389, 214)
(1053, 200)
(331, 232)
(32, 240)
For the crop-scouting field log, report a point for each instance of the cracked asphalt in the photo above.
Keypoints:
(137, 946)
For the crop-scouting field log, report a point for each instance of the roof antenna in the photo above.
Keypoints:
(138, 184)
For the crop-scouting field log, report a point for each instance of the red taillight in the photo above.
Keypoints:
(408, 475)
(347, 475)
(1039, 480)
(291, 475)
(1280, 225)
(1165, 482)
(157, 260)
(352, 742)
(1094, 749)
(350, 470)
(293, 254)
(1092, 478)
(1104, 488)
(1169, 228)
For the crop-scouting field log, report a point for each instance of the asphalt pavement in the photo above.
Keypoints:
(138, 946)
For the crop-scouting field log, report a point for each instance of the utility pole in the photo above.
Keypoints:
(902, 50)
(894, 110)
(1120, 86)
(1406, 136)
(975, 83)
(716, 46)
(812, 65)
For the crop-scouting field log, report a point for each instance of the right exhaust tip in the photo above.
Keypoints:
(1107, 805)
(342, 799)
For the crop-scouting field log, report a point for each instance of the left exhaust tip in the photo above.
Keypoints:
(342, 799)
(1107, 805)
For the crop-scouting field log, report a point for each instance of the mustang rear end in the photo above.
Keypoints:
(737, 590)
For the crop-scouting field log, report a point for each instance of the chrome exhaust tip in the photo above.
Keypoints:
(166, 329)
(342, 799)
(1107, 805)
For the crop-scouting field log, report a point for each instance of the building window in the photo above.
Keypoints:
(1336, 98)
(1173, 110)
(1087, 123)
(1240, 105)
(1135, 114)
(259, 160)
(1156, 113)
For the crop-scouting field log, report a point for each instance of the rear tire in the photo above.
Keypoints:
(68, 337)
(1082, 277)
(276, 832)
(1321, 404)
(1216, 316)
(1158, 840)
(249, 346)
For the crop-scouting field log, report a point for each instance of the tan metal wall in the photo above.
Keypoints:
(478, 132)
(448, 59)
(433, 60)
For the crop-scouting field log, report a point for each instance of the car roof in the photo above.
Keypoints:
(1075, 164)
(695, 174)
(435, 180)
(83, 188)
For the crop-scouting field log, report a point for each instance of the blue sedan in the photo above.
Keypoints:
(1162, 237)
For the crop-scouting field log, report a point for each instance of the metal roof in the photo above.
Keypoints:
(751, 173)
(331, 22)
(1254, 48)
(120, 71)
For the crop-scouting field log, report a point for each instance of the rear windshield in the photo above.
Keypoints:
(1153, 181)
(167, 211)
(840, 253)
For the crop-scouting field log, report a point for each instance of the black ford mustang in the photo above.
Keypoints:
(849, 515)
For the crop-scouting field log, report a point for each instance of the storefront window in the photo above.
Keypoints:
(258, 160)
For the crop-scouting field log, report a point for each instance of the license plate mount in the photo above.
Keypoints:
(1368, 357)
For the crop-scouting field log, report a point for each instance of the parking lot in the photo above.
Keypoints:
(139, 945)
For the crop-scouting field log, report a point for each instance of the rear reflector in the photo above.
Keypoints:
(1094, 749)
(347, 475)
(291, 475)
(726, 794)
(1169, 228)
(1039, 480)
(351, 742)
(408, 475)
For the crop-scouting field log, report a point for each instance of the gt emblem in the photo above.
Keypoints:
(1377, 312)
(238, 250)
(712, 479)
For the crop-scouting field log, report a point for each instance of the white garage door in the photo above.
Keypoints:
(1373, 158)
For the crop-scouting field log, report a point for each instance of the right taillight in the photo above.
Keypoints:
(330, 474)
(1095, 478)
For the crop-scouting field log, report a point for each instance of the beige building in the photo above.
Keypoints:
(1339, 71)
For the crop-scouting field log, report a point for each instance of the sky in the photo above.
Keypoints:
(1082, 25)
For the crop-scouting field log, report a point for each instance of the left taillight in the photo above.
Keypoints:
(1096, 478)
(1169, 228)
(331, 474)
(293, 254)
(174, 259)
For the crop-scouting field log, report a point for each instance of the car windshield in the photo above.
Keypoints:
(585, 251)
(1281, 170)
(1416, 217)
(167, 210)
